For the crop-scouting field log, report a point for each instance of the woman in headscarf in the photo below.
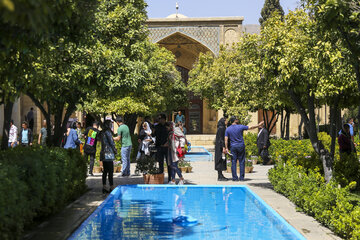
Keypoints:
(344, 140)
(220, 161)
(177, 143)
(107, 155)
(72, 140)
(147, 138)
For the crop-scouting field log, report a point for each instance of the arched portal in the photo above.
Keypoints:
(185, 48)
(187, 51)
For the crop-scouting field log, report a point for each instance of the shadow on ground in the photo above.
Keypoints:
(262, 185)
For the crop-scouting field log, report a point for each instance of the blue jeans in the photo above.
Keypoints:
(9, 144)
(238, 153)
(175, 169)
(125, 158)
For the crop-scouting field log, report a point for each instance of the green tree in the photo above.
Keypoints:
(270, 6)
(303, 64)
(233, 81)
(163, 91)
(97, 55)
(340, 19)
(23, 27)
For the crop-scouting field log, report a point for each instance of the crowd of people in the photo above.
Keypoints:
(167, 138)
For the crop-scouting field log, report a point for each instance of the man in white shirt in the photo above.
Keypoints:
(13, 134)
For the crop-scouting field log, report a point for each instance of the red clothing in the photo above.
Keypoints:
(344, 143)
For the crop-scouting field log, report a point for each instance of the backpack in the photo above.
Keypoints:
(180, 149)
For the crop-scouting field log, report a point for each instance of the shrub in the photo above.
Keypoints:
(36, 182)
(327, 203)
(250, 144)
(347, 169)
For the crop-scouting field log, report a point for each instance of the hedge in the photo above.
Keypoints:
(36, 182)
(328, 203)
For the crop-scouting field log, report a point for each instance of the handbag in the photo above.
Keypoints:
(109, 156)
(109, 153)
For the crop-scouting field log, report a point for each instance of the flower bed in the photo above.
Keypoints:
(37, 182)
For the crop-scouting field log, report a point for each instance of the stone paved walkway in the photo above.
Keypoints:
(63, 224)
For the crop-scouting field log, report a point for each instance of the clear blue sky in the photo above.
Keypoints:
(249, 9)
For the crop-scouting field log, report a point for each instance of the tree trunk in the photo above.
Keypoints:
(300, 128)
(335, 115)
(287, 127)
(61, 123)
(8, 107)
(131, 120)
(47, 115)
(310, 125)
(282, 124)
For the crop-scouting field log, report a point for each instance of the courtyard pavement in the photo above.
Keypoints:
(61, 226)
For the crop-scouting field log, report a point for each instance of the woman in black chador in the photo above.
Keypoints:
(220, 162)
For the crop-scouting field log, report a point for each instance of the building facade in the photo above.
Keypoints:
(186, 38)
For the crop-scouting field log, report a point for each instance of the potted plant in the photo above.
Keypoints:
(97, 168)
(248, 166)
(228, 168)
(185, 166)
(254, 159)
(117, 166)
(151, 172)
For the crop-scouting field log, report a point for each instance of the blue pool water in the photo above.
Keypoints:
(198, 153)
(219, 212)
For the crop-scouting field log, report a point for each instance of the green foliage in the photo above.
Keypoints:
(147, 165)
(327, 203)
(270, 6)
(184, 163)
(162, 91)
(347, 169)
(36, 182)
(250, 144)
(341, 21)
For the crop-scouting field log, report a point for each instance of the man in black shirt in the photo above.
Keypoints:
(91, 137)
(161, 143)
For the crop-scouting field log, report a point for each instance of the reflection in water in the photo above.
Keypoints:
(137, 212)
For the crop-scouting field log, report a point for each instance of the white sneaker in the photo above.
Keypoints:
(181, 182)
(172, 183)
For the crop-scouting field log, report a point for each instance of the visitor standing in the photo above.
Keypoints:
(13, 135)
(43, 134)
(220, 159)
(182, 127)
(91, 138)
(78, 129)
(72, 140)
(234, 139)
(107, 155)
(177, 143)
(126, 144)
(344, 140)
(146, 139)
(180, 118)
(30, 119)
(161, 143)
(26, 135)
(263, 144)
(350, 123)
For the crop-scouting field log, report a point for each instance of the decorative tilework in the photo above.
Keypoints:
(208, 36)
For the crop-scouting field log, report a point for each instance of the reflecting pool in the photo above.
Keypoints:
(184, 212)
